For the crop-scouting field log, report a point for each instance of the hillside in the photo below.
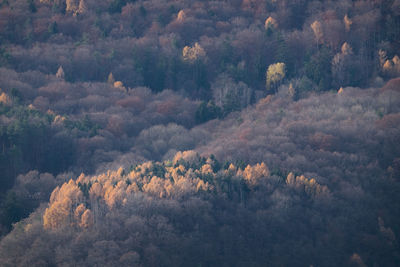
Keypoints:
(199, 133)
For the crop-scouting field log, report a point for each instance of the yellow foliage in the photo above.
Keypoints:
(194, 53)
(188, 155)
(114, 195)
(388, 65)
(202, 186)
(382, 57)
(81, 178)
(96, 189)
(119, 84)
(396, 60)
(231, 169)
(79, 211)
(346, 49)
(68, 205)
(392, 67)
(347, 22)
(316, 26)
(181, 16)
(292, 90)
(155, 187)
(206, 169)
(57, 215)
(63, 202)
(31, 107)
(310, 186)
(87, 219)
(275, 73)
(132, 188)
(71, 5)
(290, 179)
(253, 173)
(270, 22)
(82, 7)
(60, 73)
(120, 171)
(110, 78)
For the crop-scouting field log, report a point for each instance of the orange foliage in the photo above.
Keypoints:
(62, 207)
(111, 190)
(252, 174)
(5, 99)
(310, 186)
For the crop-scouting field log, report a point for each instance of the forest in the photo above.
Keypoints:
(199, 133)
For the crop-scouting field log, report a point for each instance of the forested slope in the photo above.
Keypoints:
(326, 195)
(249, 133)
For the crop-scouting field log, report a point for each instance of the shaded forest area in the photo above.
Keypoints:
(204, 133)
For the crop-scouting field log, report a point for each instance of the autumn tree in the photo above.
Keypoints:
(316, 26)
(229, 95)
(63, 202)
(72, 5)
(181, 16)
(111, 79)
(274, 75)
(82, 8)
(193, 53)
(347, 23)
(5, 99)
(60, 73)
(390, 67)
(270, 24)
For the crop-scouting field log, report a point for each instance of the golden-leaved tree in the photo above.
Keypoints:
(274, 75)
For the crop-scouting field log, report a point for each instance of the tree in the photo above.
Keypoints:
(207, 111)
(5, 99)
(181, 16)
(194, 53)
(275, 74)
(230, 95)
(110, 78)
(60, 73)
(63, 202)
(270, 24)
(82, 7)
(72, 5)
(53, 28)
(347, 23)
(318, 32)
(346, 70)
(318, 68)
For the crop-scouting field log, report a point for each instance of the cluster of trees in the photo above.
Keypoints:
(198, 211)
